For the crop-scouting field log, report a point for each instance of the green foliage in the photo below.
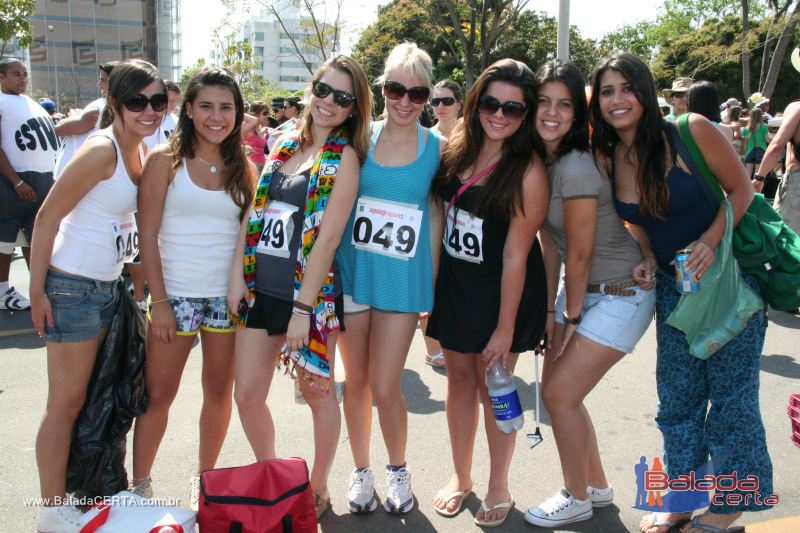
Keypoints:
(15, 23)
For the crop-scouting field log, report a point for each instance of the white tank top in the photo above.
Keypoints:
(199, 229)
(99, 234)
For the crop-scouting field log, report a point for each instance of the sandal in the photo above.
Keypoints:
(712, 529)
(660, 520)
(436, 360)
(322, 504)
(461, 496)
(486, 509)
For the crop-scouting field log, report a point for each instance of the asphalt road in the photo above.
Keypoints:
(623, 408)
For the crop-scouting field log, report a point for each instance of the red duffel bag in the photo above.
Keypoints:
(272, 496)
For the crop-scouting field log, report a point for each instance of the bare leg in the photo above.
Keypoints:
(215, 415)
(354, 349)
(432, 346)
(254, 366)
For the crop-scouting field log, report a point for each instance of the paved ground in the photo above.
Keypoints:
(623, 407)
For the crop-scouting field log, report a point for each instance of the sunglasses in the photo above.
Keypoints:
(396, 91)
(446, 101)
(320, 89)
(679, 95)
(511, 109)
(137, 104)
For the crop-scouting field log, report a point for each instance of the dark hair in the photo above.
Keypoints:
(755, 122)
(172, 86)
(735, 112)
(238, 178)
(294, 101)
(108, 67)
(6, 61)
(256, 108)
(650, 144)
(555, 70)
(501, 196)
(125, 81)
(704, 100)
(453, 87)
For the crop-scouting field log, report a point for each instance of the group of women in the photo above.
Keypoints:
(355, 228)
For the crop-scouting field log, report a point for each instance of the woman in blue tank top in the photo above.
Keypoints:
(386, 266)
(667, 210)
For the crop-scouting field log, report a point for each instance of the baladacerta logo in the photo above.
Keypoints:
(696, 490)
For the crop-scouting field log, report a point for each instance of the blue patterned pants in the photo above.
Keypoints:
(731, 431)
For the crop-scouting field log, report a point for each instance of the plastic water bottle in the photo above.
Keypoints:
(505, 400)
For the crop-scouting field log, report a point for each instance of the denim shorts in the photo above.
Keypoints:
(82, 307)
(194, 314)
(614, 321)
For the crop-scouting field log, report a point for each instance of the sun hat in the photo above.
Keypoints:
(680, 85)
(796, 58)
(757, 99)
(733, 102)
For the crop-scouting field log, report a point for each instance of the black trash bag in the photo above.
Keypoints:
(115, 396)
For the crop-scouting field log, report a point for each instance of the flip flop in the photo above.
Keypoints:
(486, 509)
(460, 495)
(711, 529)
(660, 520)
(434, 360)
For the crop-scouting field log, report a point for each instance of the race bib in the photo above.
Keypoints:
(278, 229)
(463, 235)
(386, 228)
(126, 240)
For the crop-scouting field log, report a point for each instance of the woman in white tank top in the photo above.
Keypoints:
(192, 198)
(84, 232)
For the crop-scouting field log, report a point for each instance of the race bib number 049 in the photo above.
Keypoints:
(386, 228)
(463, 236)
(126, 240)
(278, 229)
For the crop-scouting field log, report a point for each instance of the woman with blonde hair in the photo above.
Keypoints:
(386, 260)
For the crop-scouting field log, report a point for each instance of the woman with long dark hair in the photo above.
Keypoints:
(667, 211)
(491, 291)
(600, 312)
(76, 260)
(193, 194)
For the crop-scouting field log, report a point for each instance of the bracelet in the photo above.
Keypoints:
(20, 184)
(154, 302)
(758, 177)
(304, 307)
(300, 312)
(572, 321)
(551, 311)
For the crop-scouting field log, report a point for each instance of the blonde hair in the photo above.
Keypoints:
(411, 58)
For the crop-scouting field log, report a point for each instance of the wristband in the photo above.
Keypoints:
(304, 307)
(551, 311)
(18, 185)
(758, 177)
(153, 302)
(300, 312)
(572, 321)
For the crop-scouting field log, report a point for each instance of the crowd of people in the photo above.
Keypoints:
(539, 213)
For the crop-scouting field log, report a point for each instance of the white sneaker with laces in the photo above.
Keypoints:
(601, 497)
(399, 498)
(143, 488)
(361, 491)
(194, 493)
(12, 300)
(59, 519)
(559, 509)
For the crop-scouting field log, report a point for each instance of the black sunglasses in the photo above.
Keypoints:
(137, 104)
(320, 89)
(678, 95)
(511, 109)
(396, 91)
(445, 100)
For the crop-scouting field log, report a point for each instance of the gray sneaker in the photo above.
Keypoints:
(143, 488)
(194, 493)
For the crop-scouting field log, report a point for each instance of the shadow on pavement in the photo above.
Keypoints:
(378, 521)
(418, 394)
(786, 320)
(28, 341)
(781, 365)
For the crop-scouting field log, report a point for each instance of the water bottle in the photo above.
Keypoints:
(505, 400)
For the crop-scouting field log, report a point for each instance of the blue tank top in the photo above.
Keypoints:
(689, 214)
(374, 262)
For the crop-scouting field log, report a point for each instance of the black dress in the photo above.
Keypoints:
(467, 297)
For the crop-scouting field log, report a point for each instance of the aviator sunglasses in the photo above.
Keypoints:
(511, 109)
(320, 89)
(137, 104)
(446, 101)
(396, 91)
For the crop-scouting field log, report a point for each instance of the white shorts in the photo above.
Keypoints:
(614, 321)
(8, 247)
(350, 307)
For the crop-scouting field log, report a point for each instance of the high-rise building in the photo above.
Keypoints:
(71, 37)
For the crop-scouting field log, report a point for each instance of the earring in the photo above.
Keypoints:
(190, 116)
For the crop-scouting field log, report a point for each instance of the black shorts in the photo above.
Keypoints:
(17, 214)
(272, 314)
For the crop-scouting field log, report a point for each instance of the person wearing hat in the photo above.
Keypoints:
(49, 106)
(677, 97)
(760, 102)
(277, 112)
(787, 199)
(726, 109)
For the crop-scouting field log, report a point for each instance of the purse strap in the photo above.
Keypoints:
(696, 160)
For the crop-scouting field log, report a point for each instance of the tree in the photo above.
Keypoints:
(633, 38)
(189, 72)
(15, 24)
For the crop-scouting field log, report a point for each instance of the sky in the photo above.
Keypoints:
(594, 19)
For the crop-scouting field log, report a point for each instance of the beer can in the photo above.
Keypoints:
(685, 281)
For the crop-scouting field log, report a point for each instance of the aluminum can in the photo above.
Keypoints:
(685, 282)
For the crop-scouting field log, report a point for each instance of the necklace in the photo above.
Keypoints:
(211, 167)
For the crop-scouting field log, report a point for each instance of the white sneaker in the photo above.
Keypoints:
(143, 488)
(59, 519)
(399, 498)
(601, 497)
(194, 493)
(559, 509)
(361, 491)
(12, 300)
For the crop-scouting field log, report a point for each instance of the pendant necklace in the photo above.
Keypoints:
(212, 168)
